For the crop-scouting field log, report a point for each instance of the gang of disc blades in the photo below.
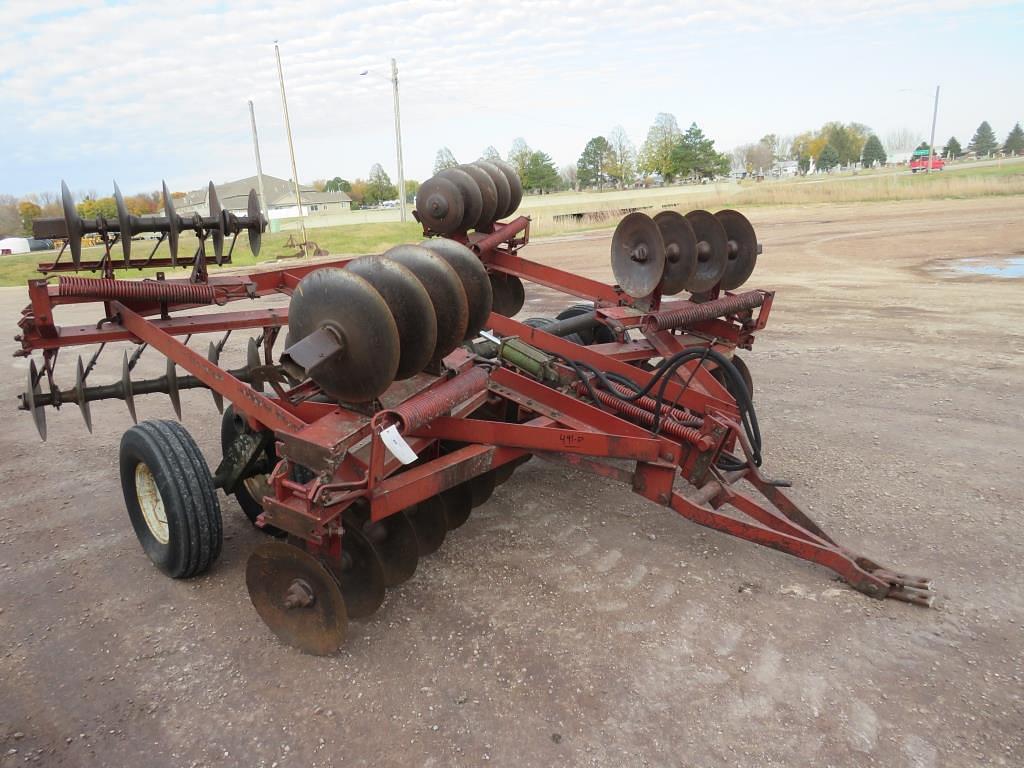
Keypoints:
(410, 306)
(501, 184)
(742, 248)
(488, 193)
(515, 186)
(356, 567)
(472, 197)
(638, 255)
(712, 251)
(393, 539)
(451, 307)
(439, 205)
(474, 279)
(680, 251)
(297, 598)
(355, 313)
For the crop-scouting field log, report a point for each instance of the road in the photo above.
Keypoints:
(571, 622)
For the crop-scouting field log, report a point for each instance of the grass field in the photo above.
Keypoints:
(957, 182)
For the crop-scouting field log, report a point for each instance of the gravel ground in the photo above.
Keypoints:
(571, 622)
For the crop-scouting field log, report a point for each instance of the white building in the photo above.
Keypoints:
(234, 197)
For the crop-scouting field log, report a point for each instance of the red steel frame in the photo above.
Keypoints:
(344, 450)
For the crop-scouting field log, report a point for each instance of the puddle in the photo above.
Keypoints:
(1000, 266)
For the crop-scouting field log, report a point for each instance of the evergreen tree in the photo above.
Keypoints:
(540, 172)
(953, 150)
(984, 141)
(379, 187)
(695, 154)
(828, 159)
(593, 166)
(874, 153)
(1014, 143)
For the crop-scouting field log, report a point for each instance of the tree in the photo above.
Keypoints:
(656, 152)
(411, 188)
(753, 157)
(379, 187)
(444, 159)
(874, 153)
(623, 156)
(28, 212)
(358, 191)
(1014, 143)
(828, 159)
(847, 140)
(490, 154)
(953, 149)
(519, 156)
(337, 184)
(10, 221)
(984, 141)
(569, 176)
(694, 154)
(592, 167)
(802, 150)
(92, 207)
(540, 172)
(901, 141)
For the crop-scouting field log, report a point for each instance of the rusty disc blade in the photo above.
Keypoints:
(481, 487)
(72, 222)
(488, 194)
(254, 222)
(172, 387)
(124, 220)
(680, 250)
(472, 197)
(296, 597)
(508, 293)
(430, 521)
(638, 255)
(83, 404)
(712, 251)
(500, 183)
(474, 279)
(127, 391)
(32, 391)
(439, 205)
(515, 186)
(410, 306)
(451, 307)
(742, 248)
(357, 315)
(458, 504)
(393, 540)
(173, 225)
(217, 231)
(503, 473)
(354, 564)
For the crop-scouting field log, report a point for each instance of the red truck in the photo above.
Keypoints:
(919, 161)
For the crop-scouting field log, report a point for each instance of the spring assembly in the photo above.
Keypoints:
(708, 310)
(645, 417)
(426, 406)
(136, 290)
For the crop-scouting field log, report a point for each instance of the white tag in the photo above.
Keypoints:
(396, 444)
(490, 336)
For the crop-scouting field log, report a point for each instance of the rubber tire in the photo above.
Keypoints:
(250, 506)
(195, 531)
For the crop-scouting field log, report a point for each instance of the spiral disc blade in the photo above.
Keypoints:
(712, 251)
(742, 248)
(430, 521)
(488, 192)
(501, 183)
(508, 293)
(472, 198)
(515, 186)
(369, 352)
(296, 597)
(638, 255)
(439, 205)
(410, 306)
(474, 279)
(451, 307)
(680, 250)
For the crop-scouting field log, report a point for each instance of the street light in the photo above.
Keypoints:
(398, 134)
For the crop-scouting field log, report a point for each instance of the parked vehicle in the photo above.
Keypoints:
(919, 161)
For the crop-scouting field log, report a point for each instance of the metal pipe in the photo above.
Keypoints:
(291, 149)
(259, 165)
(931, 144)
(398, 141)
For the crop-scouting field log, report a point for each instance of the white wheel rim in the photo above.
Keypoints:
(151, 504)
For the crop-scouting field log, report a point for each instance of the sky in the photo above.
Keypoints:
(92, 91)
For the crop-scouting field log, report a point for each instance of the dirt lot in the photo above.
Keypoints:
(571, 622)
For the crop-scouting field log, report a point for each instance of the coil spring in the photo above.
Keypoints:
(136, 290)
(648, 403)
(645, 417)
(708, 310)
(426, 406)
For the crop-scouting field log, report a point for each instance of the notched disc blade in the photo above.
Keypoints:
(501, 184)
(173, 225)
(83, 404)
(488, 193)
(124, 221)
(458, 504)
(430, 521)
(410, 306)
(451, 307)
(340, 300)
(217, 232)
(712, 251)
(439, 205)
(296, 597)
(742, 248)
(515, 186)
(508, 293)
(474, 279)
(72, 222)
(394, 541)
(638, 255)
(472, 198)
(680, 250)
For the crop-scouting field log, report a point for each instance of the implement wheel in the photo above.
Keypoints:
(170, 496)
(250, 492)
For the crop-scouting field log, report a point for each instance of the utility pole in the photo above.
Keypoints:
(291, 149)
(259, 165)
(931, 144)
(398, 140)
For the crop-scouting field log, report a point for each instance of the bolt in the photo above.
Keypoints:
(299, 595)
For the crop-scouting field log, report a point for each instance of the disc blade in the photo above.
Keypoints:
(213, 355)
(410, 307)
(472, 197)
(504, 473)
(742, 248)
(458, 504)
(83, 404)
(124, 220)
(430, 521)
(439, 205)
(488, 193)
(474, 279)
(638, 255)
(72, 222)
(598, 334)
(393, 540)
(126, 387)
(173, 225)
(254, 223)
(172, 387)
(341, 300)
(501, 186)
(514, 184)
(296, 597)
(355, 566)
(451, 306)
(712, 251)
(508, 294)
(481, 487)
(680, 250)
(217, 231)
(32, 391)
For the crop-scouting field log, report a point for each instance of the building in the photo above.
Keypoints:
(234, 197)
(786, 168)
